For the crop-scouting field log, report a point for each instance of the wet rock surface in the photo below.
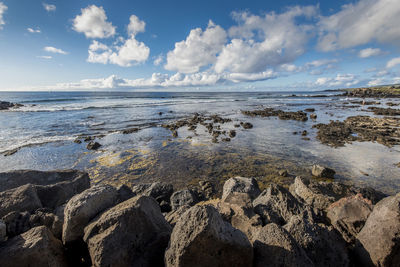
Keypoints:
(4, 105)
(385, 131)
(283, 115)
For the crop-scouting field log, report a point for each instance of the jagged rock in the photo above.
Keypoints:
(124, 193)
(202, 238)
(83, 207)
(277, 205)
(133, 233)
(13, 179)
(319, 195)
(93, 145)
(320, 171)
(173, 216)
(183, 197)
(159, 191)
(240, 216)
(20, 222)
(348, 215)
(57, 194)
(241, 185)
(3, 231)
(283, 173)
(323, 244)
(37, 247)
(23, 198)
(379, 239)
(273, 246)
(17, 222)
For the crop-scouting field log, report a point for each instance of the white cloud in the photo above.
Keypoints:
(375, 82)
(359, 23)
(345, 80)
(262, 42)
(3, 9)
(198, 50)
(135, 25)
(45, 57)
(33, 30)
(49, 7)
(51, 49)
(158, 60)
(250, 77)
(129, 53)
(393, 62)
(93, 23)
(320, 62)
(369, 52)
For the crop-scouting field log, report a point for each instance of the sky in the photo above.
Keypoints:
(198, 45)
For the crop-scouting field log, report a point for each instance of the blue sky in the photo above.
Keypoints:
(198, 45)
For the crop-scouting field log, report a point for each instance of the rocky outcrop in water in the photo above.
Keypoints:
(4, 105)
(311, 224)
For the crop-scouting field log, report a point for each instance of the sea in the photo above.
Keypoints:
(45, 128)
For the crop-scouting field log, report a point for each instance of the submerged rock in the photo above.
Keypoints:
(37, 247)
(379, 241)
(93, 145)
(202, 238)
(133, 233)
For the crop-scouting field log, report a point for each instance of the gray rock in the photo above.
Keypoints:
(3, 231)
(348, 215)
(173, 216)
(277, 205)
(323, 244)
(159, 191)
(124, 193)
(83, 207)
(274, 246)
(93, 145)
(37, 247)
(320, 171)
(13, 179)
(20, 222)
(183, 197)
(379, 239)
(54, 195)
(241, 185)
(319, 194)
(23, 198)
(283, 173)
(202, 238)
(133, 233)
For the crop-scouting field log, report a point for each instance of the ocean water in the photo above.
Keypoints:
(45, 128)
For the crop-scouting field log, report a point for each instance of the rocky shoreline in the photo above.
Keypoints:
(58, 219)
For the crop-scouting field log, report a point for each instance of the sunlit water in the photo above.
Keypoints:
(49, 122)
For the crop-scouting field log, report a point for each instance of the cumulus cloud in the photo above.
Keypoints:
(268, 41)
(124, 53)
(33, 30)
(359, 23)
(158, 60)
(198, 50)
(345, 80)
(93, 23)
(49, 7)
(52, 49)
(393, 62)
(3, 9)
(135, 25)
(369, 52)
